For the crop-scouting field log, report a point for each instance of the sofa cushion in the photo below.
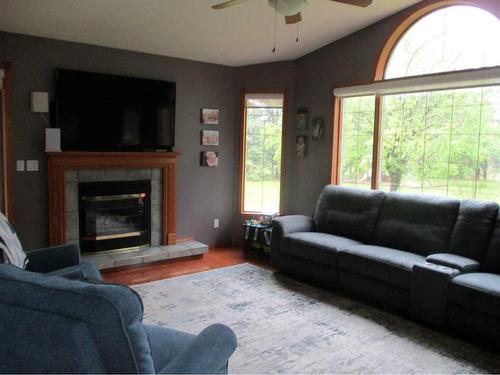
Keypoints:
(317, 247)
(382, 263)
(476, 291)
(473, 228)
(348, 212)
(421, 224)
(491, 261)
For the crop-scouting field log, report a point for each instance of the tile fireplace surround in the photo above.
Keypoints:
(67, 169)
(73, 177)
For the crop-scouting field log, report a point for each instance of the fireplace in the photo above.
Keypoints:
(66, 169)
(114, 215)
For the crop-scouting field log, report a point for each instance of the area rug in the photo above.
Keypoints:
(285, 326)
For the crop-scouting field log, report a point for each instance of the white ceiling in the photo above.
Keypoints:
(190, 29)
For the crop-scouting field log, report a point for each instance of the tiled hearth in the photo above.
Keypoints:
(68, 169)
(146, 254)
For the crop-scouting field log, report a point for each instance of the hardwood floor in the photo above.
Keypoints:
(215, 258)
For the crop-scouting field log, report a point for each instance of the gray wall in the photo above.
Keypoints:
(280, 75)
(348, 60)
(202, 193)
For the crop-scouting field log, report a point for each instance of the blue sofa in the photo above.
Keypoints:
(437, 259)
(51, 324)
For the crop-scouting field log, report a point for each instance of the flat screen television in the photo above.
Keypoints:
(102, 112)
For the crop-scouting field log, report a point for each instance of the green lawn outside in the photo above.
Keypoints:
(262, 196)
(461, 189)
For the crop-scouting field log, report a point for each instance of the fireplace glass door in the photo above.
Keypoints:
(114, 215)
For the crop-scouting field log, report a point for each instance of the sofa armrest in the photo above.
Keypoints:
(207, 354)
(284, 225)
(454, 261)
(429, 284)
(50, 259)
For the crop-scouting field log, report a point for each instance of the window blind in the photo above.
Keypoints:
(431, 82)
(271, 100)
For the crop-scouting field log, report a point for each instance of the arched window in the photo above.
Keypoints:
(449, 39)
(432, 125)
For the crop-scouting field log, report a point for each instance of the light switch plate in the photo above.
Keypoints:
(20, 165)
(32, 165)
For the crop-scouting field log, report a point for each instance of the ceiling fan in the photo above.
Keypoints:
(291, 8)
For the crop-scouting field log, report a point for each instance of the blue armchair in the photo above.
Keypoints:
(63, 260)
(51, 324)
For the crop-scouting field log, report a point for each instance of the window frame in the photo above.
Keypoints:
(243, 138)
(422, 10)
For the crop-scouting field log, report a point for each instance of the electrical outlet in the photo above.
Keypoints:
(216, 223)
(32, 165)
(20, 165)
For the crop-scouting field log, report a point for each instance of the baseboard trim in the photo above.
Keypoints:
(185, 239)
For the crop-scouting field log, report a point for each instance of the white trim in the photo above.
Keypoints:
(432, 82)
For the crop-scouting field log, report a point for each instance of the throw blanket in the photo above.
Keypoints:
(10, 247)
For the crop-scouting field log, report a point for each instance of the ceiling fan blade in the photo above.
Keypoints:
(293, 19)
(227, 4)
(358, 3)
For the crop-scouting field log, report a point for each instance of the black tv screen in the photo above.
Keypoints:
(101, 112)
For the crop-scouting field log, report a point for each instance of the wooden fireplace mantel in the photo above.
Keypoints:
(58, 162)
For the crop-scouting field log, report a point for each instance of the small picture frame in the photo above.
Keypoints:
(210, 137)
(301, 124)
(209, 159)
(318, 129)
(301, 146)
(209, 116)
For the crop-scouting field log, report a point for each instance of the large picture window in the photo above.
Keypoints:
(432, 124)
(263, 118)
(357, 141)
(443, 143)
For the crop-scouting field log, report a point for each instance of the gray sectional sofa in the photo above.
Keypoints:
(437, 259)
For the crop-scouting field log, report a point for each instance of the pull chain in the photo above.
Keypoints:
(297, 40)
(275, 6)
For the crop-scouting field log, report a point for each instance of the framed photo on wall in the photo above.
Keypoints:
(318, 129)
(301, 124)
(301, 146)
(210, 137)
(209, 159)
(209, 116)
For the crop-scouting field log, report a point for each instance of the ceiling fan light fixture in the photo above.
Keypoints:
(287, 7)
